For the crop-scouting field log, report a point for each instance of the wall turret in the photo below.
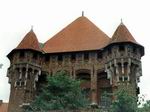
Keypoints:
(123, 65)
(23, 73)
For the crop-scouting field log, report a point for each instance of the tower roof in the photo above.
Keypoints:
(80, 35)
(30, 41)
(122, 34)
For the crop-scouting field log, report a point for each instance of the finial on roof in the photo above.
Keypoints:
(31, 27)
(121, 22)
(82, 13)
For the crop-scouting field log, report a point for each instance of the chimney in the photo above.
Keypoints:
(1, 102)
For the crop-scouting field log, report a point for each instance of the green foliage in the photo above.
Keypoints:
(124, 102)
(60, 93)
(145, 107)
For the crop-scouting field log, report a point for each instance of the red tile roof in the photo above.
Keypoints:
(80, 35)
(3, 107)
(122, 34)
(30, 41)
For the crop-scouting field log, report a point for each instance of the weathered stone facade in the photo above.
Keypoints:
(103, 69)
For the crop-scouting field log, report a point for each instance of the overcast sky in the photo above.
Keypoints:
(49, 16)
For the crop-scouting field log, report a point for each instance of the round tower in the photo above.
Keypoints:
(23, 73)
(123, 65)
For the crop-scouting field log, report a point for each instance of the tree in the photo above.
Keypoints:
(60, 93)
(124, 102)
(145, 107)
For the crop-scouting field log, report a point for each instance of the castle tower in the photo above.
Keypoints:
(85, 52)
(123, 65)
(25, 67)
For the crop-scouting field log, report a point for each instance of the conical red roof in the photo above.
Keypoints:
(30, 41)
(122, 34)
(80, 35)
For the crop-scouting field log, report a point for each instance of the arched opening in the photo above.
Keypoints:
(42, 81)
(30, 73)
(62, 72)
(104, 89)
(23, 73)
(85, 77)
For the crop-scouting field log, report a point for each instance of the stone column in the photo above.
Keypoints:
(109, 73)
(20, 73)
(122, 65)
(93, 87)
(26, 74)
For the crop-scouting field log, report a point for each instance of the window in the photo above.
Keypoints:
(134, 50)
(86, 56)
(125, 78)
(121, 48)
(22, 83)
(73, 57)
(35, 56)
(60, 57)
(18, 83)
(109, 50)
(121, 78)
(99, 55)
(22, 54)
(47, 57)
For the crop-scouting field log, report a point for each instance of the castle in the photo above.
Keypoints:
(82, 50)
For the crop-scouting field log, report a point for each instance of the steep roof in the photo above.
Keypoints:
(30, 41)
(80, 35)
(3, 107)
(122, 34)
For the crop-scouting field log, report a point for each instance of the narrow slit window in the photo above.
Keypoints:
(73, 57)
(60, 57)
(99, 55)
(86, 56)
(35, 56)
(47, 58)
(22, 54)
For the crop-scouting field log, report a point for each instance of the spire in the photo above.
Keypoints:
(122, 34)
(30, 41)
